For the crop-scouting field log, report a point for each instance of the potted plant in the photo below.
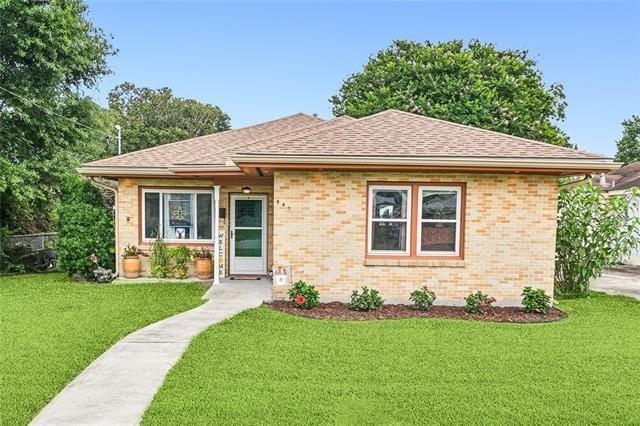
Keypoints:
(180, 255)
(131, 261)
(204, 266)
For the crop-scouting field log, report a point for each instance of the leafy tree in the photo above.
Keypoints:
(629, 145)
(477, 84)
(594, 232)
(85, 228)
(49, 51)
(154, 117)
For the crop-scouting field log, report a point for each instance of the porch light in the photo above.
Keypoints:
(246, 189)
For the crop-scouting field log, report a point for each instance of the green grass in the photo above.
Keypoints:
(52, 328)
(266, 367)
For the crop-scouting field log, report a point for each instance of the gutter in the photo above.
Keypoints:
(116, 221)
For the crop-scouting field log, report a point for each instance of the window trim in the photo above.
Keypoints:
(174, 190)
(420, 221)
(371, 220)
(413, 208)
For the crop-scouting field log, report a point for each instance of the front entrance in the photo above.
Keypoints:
(248, 235)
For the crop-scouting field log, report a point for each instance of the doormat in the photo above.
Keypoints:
(245, 278)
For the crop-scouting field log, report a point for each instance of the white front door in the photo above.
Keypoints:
(248, 234)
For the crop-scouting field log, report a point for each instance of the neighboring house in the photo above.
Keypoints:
(620, 182)
(394, 201)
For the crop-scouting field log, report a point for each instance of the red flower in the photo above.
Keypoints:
(300, 300)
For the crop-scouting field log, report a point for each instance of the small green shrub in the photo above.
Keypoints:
(85, 230)
(536, 300)
(304, 295)
(423, 298)
(180, 255)
(478, 303)
(159, 261)
(368, 300)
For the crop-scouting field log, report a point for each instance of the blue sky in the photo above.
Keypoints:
(260, 61)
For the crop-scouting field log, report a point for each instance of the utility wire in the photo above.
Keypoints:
(55, 113)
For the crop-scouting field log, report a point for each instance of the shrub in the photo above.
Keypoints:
(535, 300)
(368, 300)
(478, 303)
(594, 233)
(180, 255)
(304, 295)
(85, 227)
(423, 298)
(159, 261)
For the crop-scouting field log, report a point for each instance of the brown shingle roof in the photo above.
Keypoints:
(403, 134)
(209, 149)
(624, 178)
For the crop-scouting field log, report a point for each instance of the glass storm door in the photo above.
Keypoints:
(248, 235)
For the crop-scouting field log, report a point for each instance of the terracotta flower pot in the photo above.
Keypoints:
(131, 267)
(204, 268)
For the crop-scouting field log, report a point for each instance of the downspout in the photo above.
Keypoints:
(216, 235)
(116, 222)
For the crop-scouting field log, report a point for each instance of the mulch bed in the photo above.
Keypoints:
(339, 311)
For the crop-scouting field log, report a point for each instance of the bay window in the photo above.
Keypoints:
(178, 215)
(415, 220)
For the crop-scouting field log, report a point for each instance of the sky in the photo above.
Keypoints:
(261, 60)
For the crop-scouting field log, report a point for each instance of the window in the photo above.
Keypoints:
(415, 220)
(389, 219)
(179, 215)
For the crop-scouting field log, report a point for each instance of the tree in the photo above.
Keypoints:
(49, 52)
(594, 232)
(629, 145)
(154, 117)
(478, 85)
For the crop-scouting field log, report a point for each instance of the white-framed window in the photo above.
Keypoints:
(389, 219)
(179, 215)
(438, 221)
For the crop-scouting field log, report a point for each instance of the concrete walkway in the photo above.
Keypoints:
(623, 280)
(118, 386)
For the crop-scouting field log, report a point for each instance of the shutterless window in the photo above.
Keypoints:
(389, 219)
(439, 220)
(178, 215)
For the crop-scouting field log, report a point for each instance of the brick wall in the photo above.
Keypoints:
(510, 220)
(128, 210)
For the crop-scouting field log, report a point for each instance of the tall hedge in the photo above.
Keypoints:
(85, 227)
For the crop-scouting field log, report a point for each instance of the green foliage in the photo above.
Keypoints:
(629, 145)
(48, 51)
(11, 257)
(131, 251)
(159, 261)
(423, 298)
(154, 117)
(536, 300)
(85, 228)
(594, 233)
(368, 300)
(478, 303)
(477, 84)
(304, 295)
(180, 256)
(53, 328)
(203, 253)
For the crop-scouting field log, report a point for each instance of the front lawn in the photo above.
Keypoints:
(266, 367)
(52, 328)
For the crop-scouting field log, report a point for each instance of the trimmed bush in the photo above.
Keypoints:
(304, 295)
(368, 300)
(423, 298)
(85, 228)
(478, 303)
(536, 300)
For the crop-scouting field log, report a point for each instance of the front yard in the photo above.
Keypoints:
(269, 367)
(52, 328)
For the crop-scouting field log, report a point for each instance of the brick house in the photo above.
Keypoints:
(393, 201)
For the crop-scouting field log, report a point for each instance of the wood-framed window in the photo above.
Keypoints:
(415, 220)
(179, 215)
